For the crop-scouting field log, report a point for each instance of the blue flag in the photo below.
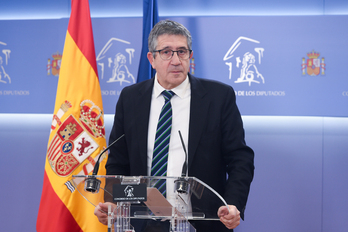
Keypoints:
(150, 18)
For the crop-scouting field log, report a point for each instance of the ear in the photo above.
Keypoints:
(191, 55)
(151, 59)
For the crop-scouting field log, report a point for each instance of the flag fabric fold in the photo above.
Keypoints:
(77, 134)
(150, 18)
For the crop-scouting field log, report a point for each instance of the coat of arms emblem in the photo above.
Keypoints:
(314, 65)
(70, 146)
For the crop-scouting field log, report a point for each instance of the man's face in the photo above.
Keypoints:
(170, 73)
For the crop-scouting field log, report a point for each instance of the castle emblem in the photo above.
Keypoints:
(314, 65)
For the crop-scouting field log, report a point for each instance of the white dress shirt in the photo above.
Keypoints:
(180, 122)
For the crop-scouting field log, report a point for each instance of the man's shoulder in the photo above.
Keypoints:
(141, 86)
(210, 85)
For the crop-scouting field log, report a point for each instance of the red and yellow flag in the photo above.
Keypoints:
(77, 133)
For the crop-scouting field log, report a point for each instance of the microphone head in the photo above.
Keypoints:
(182, 186)
(92, 184)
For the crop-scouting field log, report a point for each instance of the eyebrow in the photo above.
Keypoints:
(168, 47)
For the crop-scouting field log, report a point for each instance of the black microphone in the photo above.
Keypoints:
(92, 184)
(184, 166)
(182, 185)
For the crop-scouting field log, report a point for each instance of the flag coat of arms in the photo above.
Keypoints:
(77, 133)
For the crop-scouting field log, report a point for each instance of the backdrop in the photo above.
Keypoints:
(289, 76)
(278, 65)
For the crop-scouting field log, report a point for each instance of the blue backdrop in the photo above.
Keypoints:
(301, 177)
(278, 65)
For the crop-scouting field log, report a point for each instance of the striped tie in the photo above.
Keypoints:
(161, 147)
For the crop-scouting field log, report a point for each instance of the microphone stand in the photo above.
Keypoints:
(92, 184)
(182, 185)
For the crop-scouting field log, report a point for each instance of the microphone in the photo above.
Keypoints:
(92, 184)
(182, 185)
(184, 171)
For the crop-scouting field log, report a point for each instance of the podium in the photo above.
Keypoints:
(137, 204)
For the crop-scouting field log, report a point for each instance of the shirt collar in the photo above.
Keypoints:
(180, 90)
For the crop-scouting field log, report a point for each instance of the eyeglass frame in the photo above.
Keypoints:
(159, 53)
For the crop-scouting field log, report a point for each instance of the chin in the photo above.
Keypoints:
(177, 78)
(173, 81)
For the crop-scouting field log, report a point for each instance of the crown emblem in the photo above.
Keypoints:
(313, 55)
(92, 118)
(57, 56)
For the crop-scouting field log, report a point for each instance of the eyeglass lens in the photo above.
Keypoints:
(168, 54)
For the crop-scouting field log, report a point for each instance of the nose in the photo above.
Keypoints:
(175, 59)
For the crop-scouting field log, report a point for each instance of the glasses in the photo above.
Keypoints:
(167, 54)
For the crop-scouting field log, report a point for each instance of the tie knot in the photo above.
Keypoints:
(168, 95)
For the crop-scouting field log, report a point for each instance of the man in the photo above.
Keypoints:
(204, 111)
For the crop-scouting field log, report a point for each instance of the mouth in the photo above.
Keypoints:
(175, 71)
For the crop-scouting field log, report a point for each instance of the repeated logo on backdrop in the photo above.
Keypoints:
(192, 66)
(114, 61)
(116, 66)
(244, 57)
(53, 64)
(4, 59)
(265, 69)
(313, 66)
(244, 62)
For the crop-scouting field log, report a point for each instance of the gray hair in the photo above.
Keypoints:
(168, 27)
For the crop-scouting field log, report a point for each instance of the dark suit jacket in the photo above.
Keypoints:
(216, 143)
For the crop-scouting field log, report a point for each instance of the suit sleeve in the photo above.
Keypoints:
(118, 161)
(238, 156)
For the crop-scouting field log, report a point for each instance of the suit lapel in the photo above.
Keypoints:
(142, 114)
(198, 116)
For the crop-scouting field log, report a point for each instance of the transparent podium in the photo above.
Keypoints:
(136, 205)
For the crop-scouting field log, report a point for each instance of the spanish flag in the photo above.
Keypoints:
(77, 133)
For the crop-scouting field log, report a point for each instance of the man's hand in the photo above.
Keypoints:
(101, 211)
(230, 219)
